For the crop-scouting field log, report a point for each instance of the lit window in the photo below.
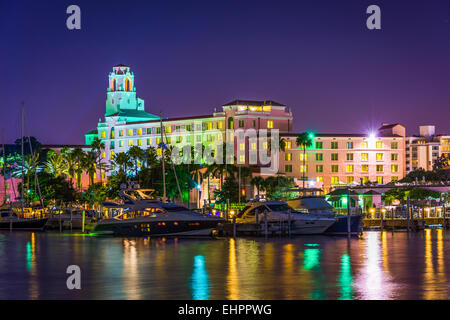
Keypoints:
(394, 179)
(379, 157)
(130, 143)
(334, 180)
(112, 134)
(269, 124)
(139, 142)
(394, 156)
(253, 145)
(365, 179)
(288, 145)
(288, 156)
(120, 133)
(103, 134)
(379, 144)
(219, 125)
(364, 145)
(364, 157)
(265, 145)
(365, 168)
(350, 179)
(379, 168)
(158, 151)
(120, 143)
(103, 155)
(305, 156)
(242, 158)
(112, 154)
(394, 168)
(168, 129)
(380, 180)
(349, 168)
(303, 168)
(242, 146)
(319, 179)
(130, 132)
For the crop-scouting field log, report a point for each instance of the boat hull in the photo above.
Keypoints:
(301, 227)
(340, 226)
(24, 224)
(157, 228)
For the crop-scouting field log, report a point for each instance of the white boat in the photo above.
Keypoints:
(280, 212)
(141, 214)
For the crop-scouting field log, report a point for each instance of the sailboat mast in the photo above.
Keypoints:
(22, 175)
(4, 165)
(163, 160)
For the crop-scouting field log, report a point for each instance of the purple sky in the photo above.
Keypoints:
(190, 56)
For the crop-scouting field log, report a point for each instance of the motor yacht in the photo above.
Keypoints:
(142, 214)
(281, 212)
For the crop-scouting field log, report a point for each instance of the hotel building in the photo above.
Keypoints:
(333, 160)
(424, 149)
(347, 159)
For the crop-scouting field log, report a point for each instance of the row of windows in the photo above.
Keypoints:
(167, 129)
(335, 157)
(348, 145)
(348, 168)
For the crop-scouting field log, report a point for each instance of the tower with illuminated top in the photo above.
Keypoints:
(121, 92)
(122, 104)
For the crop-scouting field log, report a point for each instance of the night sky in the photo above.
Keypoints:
(190, 56)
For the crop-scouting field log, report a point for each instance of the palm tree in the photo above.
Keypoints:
(78, 155)
(89, 164)
(55, 164)
(304, 140)
(70, 159)
(150, 157)
(123, 161)
(98, 146)
(258, 183)
(136, 155)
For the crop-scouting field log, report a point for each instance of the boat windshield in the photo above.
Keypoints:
(279, 207)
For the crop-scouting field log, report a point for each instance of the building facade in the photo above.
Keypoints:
(333, 160)
(424, 149)
(347, 159)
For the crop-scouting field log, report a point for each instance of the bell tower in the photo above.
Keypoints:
(121, 92)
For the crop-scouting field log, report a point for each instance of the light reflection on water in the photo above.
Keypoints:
(381, 265)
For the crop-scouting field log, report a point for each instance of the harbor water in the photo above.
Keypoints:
(380, 265)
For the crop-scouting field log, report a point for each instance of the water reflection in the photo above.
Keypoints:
(199, 279)
(130, 270)
(232, 277)
(434, 279)
(374, 281)
(378, 266)
(345, 279)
